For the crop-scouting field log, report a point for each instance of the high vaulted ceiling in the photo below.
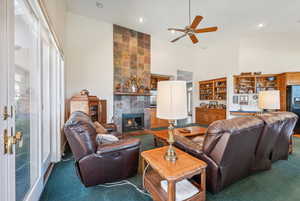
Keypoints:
(233, 17)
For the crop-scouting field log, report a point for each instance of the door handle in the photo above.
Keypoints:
(9, 141)
(5, 113)
(6, 142)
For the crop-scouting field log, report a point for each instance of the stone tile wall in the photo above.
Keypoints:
(132, 58)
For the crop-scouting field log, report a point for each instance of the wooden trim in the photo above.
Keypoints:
(51, 26)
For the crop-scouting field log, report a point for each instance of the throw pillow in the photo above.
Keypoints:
(99, 128)
(106, 139)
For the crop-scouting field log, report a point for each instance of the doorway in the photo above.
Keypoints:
(188, 77)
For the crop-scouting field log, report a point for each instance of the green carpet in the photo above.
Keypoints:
(282, 183)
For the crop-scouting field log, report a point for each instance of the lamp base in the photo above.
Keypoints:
(170, 155)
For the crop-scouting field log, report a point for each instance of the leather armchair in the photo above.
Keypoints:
(98, 164)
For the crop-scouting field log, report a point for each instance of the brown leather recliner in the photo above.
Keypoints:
(228, 149)
(281, 148)
(97, 164)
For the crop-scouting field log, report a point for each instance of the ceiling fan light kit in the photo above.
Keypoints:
(192, 30)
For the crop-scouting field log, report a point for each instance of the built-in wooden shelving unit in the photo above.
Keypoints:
(215, 89)
(250, 84)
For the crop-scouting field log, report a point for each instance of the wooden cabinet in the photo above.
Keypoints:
(156, 78)
(206, 115)
(284, 80)
(215, 89)
(292, 78)
(90, 105)
(156, 122)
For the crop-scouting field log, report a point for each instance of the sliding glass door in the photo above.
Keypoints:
(45, 99)
(4, 131)
(26, 101)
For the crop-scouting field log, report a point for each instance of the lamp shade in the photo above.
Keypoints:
(171, 100)
(269, 100)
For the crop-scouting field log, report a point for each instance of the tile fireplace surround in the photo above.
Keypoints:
(132, 58)
(131, 105)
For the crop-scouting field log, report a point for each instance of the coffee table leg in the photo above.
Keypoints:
(171, 191)
(155, 142)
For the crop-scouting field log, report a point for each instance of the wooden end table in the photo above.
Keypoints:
(185, 167)
(163, 135)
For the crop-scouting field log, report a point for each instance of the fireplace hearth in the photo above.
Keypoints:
(132, 122)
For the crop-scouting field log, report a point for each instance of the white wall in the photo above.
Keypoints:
(89, 58)
(270, 52)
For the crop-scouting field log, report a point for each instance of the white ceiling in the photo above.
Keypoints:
(233, 17)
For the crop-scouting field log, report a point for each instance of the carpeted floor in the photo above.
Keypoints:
(282, 183)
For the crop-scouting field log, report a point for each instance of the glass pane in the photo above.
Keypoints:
(26, 96)
(46, 100)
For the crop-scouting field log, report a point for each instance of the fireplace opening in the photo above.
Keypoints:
(132, 122)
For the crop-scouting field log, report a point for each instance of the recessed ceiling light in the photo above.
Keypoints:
(261, 25)
(172, 31)
(141, 20)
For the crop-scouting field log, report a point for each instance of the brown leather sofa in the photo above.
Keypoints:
(97, 164)
(235, 148)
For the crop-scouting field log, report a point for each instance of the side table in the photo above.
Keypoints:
(185, 167)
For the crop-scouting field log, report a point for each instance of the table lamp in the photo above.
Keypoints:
(269, 100)
(172, 106)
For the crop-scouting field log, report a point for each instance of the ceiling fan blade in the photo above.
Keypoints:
(176, 39)
(193, 38)
(204, 30)
(174, 29)
(196, 22)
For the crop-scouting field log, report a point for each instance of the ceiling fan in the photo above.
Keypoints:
(191, 30)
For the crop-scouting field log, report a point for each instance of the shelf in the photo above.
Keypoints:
(153, 185)
(208, 89)
(130, 94)
(249, 84)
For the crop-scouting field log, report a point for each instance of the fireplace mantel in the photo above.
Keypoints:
(130, 94)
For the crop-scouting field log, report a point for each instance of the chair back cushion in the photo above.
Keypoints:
(81, 134)
(231, 145)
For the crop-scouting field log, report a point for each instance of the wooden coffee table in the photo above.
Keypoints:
(163, 135)
(185, 167)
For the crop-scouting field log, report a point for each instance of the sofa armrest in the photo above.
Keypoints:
(118, 146)
(188, 145)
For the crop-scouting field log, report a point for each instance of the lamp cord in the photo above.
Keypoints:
(126, 182)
